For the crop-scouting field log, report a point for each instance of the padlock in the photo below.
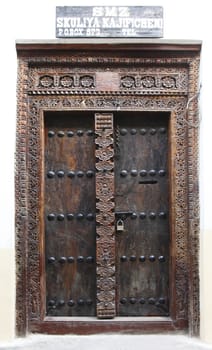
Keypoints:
(120, 225)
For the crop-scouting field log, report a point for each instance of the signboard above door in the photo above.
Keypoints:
(109, 21)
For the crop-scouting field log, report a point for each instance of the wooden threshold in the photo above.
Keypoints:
(85, 326)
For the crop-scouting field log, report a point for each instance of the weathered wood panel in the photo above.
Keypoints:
(70, 232)
(142, 195)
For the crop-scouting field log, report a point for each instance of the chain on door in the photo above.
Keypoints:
(106, 214)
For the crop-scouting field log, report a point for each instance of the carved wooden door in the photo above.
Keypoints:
(106, 214)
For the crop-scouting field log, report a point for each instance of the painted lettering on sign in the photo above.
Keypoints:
(108, 21)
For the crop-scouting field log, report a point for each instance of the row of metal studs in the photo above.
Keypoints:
(70, 133)
(90, 217)
(90, 173)
(71, 259)
(143, 172)
(142, 301)
(123, 132)
(142, 131)
(70, 173)
(142, 258)
(81, 302)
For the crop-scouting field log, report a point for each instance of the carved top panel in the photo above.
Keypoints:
(143, 80)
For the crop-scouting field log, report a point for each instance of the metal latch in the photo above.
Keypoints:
(123, 214)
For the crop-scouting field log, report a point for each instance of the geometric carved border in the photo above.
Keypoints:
(105, 218)
(28, 184)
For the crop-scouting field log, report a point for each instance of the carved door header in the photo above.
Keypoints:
(154, 76)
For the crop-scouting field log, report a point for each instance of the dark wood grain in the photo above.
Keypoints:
(143, 247)
(126, 326)
(70, 197)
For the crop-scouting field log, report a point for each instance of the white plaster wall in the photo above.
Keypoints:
(26, 19)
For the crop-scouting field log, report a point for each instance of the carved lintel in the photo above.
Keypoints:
(105, 244)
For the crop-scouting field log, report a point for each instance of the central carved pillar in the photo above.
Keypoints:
(105, 217)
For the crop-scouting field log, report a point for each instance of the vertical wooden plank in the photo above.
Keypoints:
(105, 243)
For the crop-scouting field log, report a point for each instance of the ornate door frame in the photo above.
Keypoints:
(135, 76)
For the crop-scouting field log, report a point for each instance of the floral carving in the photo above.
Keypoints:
(128, 82)
(148, 82)
(66, 81)
(104, 141)
(87, 81)
(46, 81)
(155, 82)
(61, 82)
(105, 244)
(168, 82)
(104, 154)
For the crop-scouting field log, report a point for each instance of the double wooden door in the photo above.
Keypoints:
(139, 210)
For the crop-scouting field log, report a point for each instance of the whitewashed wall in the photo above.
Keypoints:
(26, 19)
